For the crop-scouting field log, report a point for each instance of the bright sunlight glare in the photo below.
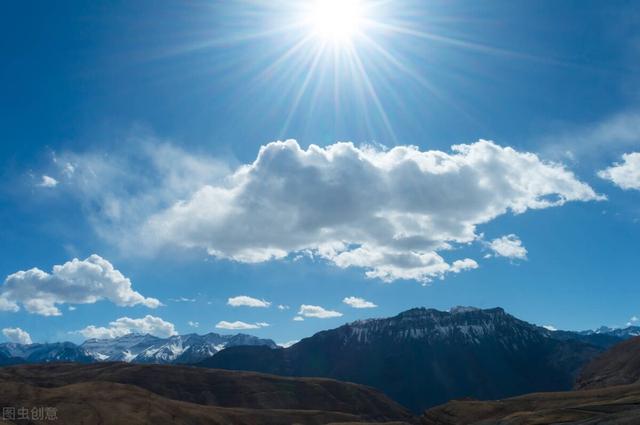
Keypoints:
(336, 20)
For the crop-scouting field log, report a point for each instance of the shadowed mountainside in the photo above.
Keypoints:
(615, 405)
(618, 366)
(131, 393)
(609, 393)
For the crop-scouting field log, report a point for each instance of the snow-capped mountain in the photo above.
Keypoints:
(460, 324)
(124, 348)
(190, 348)
(625, 333)
(43, 353)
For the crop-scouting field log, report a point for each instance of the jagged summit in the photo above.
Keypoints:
(459, 323)
(188, 348)
(133, 347)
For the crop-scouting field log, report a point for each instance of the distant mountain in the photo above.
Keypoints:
(624, 333)
(618, 366)
(118, 393)
(191, 348)
(44, 353)
(423, 357)
(602, 340)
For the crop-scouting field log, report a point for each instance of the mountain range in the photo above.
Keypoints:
(112, 393)
(424, 357)
(178, 349)
(421, 357)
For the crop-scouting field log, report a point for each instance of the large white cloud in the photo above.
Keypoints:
(239, 325)
(625, 174)
(125, 325)
(17, 335)
(509, 246)
(243, 300)
(74, 282)
(317, 312)
(389, 212)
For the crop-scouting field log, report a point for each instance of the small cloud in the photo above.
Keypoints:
(283, 307)
(461, 265)
(288, 343)
(17, 335)
(47, 181)
(356, 302)
(193, 324)
(298, 319)
(182, 300)
(509, 246)
(238, 325)
(550, 328)
(625, 174)
(71, 308)
(317, 312)
(68, 169)
(243, 300)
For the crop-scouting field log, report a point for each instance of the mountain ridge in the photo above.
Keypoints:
(422, 357)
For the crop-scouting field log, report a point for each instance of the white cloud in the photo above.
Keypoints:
(550, 328)
(6, 305)
(76, 281)
(283, 307)
(17, 335)
(317, 312)
(238, 325)
(625, 174)
(634, 319)
(182, 300)
(125, 325)
(119, 189)
(356, 302)
(288, 343)
(193, 324)
(461, 265)
(388, 212)
(509, 246)
(47, 181)
(618, 131)
(243, 300)
(298, 319)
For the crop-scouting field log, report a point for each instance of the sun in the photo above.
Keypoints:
(337, 21)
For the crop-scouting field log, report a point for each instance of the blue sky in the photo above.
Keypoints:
(144, 114)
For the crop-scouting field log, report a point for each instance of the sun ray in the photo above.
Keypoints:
(372, 92)
(303, 89)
